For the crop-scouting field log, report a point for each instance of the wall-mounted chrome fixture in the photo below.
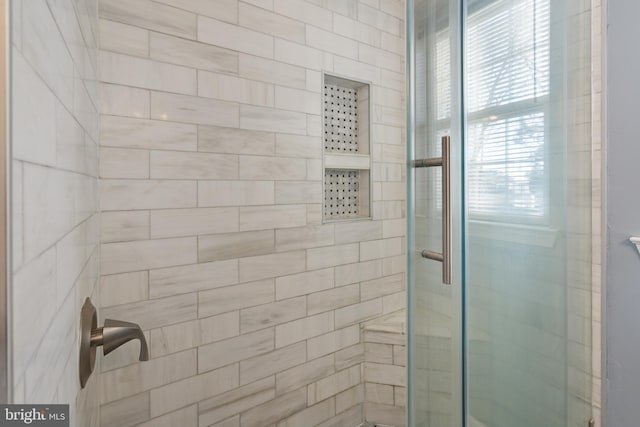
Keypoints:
(112, 335)
(635, 241)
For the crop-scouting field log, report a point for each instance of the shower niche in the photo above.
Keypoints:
(347, 149)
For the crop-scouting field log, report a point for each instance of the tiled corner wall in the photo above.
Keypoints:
(582, 237)
(385, 357)
(211, 198)
(585, 296)
(596, 206)
(55, 242)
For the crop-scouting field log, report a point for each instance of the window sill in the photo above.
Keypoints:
(514, 233)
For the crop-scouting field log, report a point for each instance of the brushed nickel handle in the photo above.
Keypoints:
(112, 335)
(446, 210)
(445, 163)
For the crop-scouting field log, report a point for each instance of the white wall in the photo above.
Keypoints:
(55, 222)
(622, 385)
(212, 233)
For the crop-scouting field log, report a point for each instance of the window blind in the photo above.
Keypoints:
(507, 53)
(508, 45)
(506, 96)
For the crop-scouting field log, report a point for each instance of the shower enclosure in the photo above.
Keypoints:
(500, 228)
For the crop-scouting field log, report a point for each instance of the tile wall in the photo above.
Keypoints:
(385, 387)
(596, 206)
(55, 242)
(584, 297)
(211, 195)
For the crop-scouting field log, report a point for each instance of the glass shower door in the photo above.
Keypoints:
(435, 356)
(508, 342)
(528, 213)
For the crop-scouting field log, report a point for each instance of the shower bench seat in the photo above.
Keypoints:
(385, 372)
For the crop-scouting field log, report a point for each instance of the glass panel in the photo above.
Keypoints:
(435, 328)
(528, 210)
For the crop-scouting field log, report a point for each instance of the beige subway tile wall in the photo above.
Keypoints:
(55, 217)
(597, 169)
(212, 234)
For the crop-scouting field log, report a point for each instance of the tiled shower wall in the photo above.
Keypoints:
(596, 206)
(55, 204)
(212, 233)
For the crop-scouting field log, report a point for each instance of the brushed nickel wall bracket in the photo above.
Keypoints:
(112, 335)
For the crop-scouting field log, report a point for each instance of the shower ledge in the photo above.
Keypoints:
(635, 241)
(395, 323)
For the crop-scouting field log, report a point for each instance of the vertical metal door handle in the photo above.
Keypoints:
(446, 209)
(445, 163)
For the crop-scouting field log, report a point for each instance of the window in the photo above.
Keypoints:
(507, 96)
